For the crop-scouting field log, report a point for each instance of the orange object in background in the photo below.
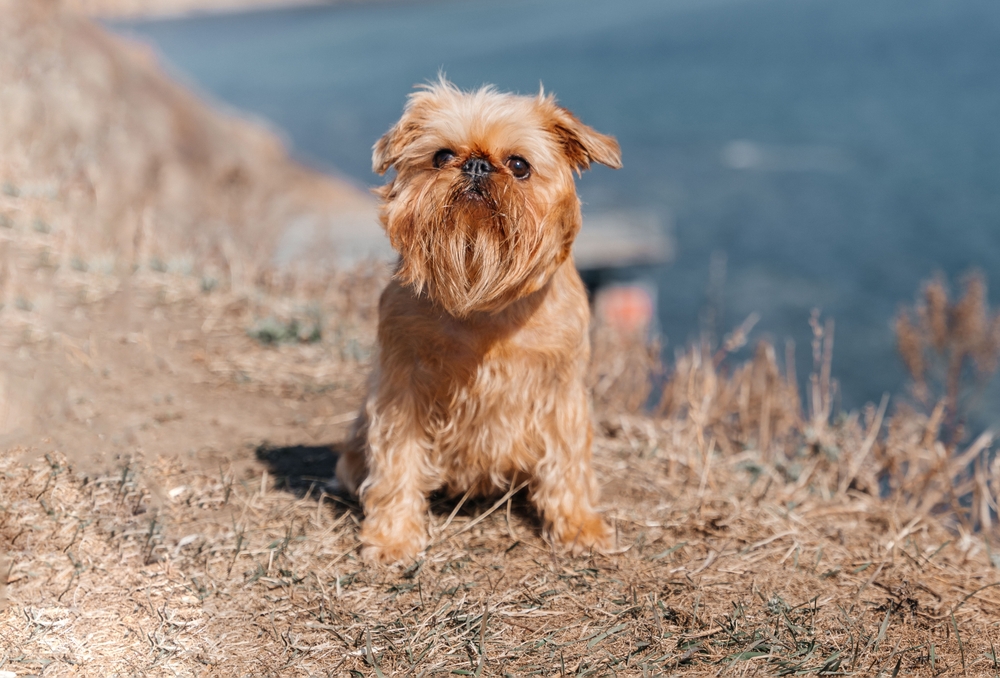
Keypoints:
(626, 307)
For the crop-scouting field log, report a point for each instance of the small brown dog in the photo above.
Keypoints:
(482, 333)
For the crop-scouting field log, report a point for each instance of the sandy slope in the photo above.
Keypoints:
(123, 198)
(89, 125)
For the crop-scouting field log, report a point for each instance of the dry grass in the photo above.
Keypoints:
(728, 564)
(753, 538)
(951, 348)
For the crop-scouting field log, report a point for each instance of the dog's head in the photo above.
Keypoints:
(483, 207)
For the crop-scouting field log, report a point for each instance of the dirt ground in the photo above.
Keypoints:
(176, 517)
(178, 378)
(170, 408)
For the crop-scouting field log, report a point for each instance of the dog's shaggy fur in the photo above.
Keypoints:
(482, 336)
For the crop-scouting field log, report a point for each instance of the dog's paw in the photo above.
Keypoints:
(385, 547)
(582, 533)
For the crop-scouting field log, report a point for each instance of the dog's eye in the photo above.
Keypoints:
(442, 157)
(518, 166)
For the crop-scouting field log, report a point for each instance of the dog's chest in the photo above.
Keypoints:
(495, 422)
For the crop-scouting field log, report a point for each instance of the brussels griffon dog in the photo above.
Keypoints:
(482, 331)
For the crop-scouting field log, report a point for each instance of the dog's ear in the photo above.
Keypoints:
(388, 150)
(581, 143)
(423, 102)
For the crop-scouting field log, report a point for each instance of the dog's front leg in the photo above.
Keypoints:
(400, 478)
(564, 489)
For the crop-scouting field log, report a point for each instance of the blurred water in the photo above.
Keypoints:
(836, 152)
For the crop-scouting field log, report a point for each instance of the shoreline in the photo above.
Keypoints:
(137, 10)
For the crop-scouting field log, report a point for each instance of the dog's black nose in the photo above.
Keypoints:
(477, 167)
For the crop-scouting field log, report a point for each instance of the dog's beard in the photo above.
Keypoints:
(473, 247)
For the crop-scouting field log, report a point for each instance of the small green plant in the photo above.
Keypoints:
(272, 330)
(209, 284)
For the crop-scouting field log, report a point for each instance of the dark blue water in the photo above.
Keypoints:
(836, 152)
